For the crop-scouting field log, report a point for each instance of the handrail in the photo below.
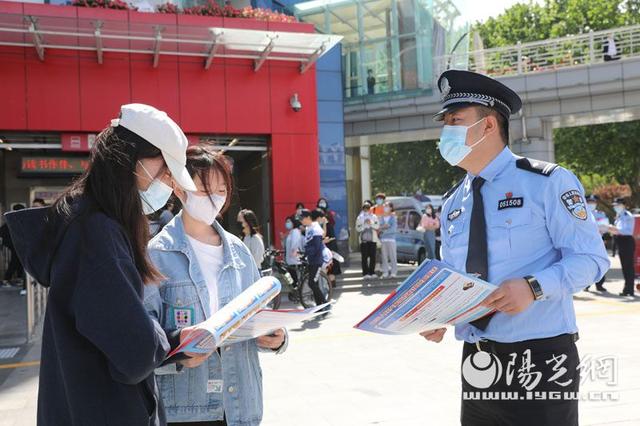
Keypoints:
(544, 55)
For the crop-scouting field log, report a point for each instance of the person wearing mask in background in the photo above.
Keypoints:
(330, 234)
(299, 208)
(430, 223)
(623, 234)
(205, 267)
(38, 202)
(252, 238)
(160, 219)
(15, 268)
(367, 227)
(388, 230)
(603, 226)
(378, 209)
(100, 346)
(313, 250)
(293, 243)
(438, 235)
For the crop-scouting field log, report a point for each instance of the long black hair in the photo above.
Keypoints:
(252, 220)
(109, 185)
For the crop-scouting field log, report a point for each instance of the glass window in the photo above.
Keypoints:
(414, 220)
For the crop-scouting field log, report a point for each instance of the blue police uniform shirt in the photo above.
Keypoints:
(536, 225)
(625, 223)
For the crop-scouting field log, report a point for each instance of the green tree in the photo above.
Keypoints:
(527, 22)
(405, 168)
(611, 151)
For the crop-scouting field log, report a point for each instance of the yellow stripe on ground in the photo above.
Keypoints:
(19, 365)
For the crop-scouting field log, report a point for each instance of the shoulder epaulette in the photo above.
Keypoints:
(450, 192)
(536, 166)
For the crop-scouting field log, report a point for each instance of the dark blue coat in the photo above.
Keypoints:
(99, 347)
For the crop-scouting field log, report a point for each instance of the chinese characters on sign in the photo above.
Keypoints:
(55, 165)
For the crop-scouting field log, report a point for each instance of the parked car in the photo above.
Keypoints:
(409, 240)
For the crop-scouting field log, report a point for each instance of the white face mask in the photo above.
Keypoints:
(204, 208)
(156, 196)
(591, 207)
(619, 209)
(453, 143)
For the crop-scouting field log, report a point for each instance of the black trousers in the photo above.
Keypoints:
(318, 297)
(14, 268)
(368, 251)
(504, 401)
(626, 251)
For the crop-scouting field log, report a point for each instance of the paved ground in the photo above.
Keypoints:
(335, 375)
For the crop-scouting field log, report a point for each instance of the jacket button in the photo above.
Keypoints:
(231, 389)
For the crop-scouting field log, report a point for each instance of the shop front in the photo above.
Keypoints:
(247, 85)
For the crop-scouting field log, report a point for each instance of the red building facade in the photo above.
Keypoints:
(70, 93)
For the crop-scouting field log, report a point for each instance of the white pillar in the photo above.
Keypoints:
(365, 173)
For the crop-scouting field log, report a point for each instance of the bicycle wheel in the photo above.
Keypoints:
(306, 294)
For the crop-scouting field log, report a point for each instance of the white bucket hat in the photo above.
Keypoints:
(159, 130)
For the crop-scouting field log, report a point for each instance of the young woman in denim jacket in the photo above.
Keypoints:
(205, 268)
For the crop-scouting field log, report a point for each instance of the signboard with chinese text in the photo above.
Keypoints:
(53, 165)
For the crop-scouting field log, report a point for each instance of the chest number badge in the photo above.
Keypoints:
(510, 202)
(575, 204)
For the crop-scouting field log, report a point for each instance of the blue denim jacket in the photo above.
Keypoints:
(230, 382)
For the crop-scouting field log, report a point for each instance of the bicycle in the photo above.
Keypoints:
(304, 291)
(278, 269)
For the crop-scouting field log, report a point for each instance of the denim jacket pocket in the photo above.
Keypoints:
(181, 305)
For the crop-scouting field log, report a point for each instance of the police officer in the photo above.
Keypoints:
(623, 233)
(603, 226)
(523, 225)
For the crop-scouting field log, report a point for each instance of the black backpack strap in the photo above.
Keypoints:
(543, 168)
(450, 192)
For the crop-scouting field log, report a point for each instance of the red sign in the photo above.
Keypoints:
(78, 142)
(59, 166)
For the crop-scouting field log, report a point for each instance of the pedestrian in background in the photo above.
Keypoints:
(38, 202)
(388, 230)
(623, 234)
(378, 208)
(367, 227)
(299, 208)
(293, 244)
(438, 235)
(430, 223)
(603, 223)
(252, 237)
(330, 233)
(14, 271)
(313, 250)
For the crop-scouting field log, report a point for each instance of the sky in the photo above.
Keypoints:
(480, 10)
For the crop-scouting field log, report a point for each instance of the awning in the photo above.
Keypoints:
(45, 32)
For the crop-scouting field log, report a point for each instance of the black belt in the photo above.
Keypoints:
(537, 344)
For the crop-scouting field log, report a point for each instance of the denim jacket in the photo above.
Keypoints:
(229, 383)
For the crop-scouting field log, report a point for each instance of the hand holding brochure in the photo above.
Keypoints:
(434, 296)
(244, 319)
(212, 333)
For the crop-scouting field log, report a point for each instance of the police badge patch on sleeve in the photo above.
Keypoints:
(574, 202)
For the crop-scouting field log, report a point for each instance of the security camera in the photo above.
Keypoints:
(295, 103)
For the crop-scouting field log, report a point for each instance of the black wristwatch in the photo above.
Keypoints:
(534, 285)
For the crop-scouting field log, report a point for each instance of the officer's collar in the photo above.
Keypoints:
(497, 165)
